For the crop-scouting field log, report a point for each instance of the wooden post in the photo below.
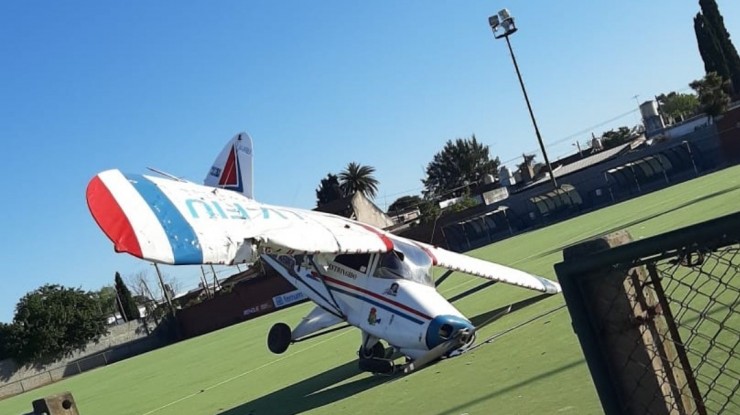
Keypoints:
(61, 404)
(633, 335)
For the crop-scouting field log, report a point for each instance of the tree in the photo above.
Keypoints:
(356, 178)
(459, 164)
(675, 106)
(107, 299)
(52, 322)
(715, 47)
(11, 342)
(429, 211)
(614, 138)
(329, 190)
(712, 96)
(126, 304)
(403, 203)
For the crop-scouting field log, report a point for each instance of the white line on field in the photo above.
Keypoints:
(223, 382)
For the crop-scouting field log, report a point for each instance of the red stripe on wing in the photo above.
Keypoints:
(386, 240)
(110, 217)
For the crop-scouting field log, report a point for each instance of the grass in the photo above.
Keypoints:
(535, 368)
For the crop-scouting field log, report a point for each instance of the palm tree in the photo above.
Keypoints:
(358, 178)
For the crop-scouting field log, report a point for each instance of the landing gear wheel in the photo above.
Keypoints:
(375, 359)
(377, 351)
(278, 339)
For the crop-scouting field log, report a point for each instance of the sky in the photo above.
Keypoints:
(87, 86)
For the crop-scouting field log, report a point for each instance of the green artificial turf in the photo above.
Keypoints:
(536, 367)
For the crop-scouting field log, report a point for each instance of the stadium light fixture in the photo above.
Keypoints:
(503, 26)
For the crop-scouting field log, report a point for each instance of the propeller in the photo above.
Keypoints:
(455, 342)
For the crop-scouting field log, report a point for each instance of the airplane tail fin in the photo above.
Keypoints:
(232, 169)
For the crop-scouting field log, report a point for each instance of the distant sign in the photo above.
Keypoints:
(257, 309)
(495, 195)
(288, 298)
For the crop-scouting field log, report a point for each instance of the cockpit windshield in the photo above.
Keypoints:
(406, 261)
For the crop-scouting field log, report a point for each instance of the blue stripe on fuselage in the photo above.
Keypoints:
(377, 304)
(185, 245)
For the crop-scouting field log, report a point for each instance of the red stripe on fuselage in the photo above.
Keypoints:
(110, 217)
(377, 296)
(386, 240)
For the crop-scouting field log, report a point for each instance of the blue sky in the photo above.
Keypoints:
(89, 85)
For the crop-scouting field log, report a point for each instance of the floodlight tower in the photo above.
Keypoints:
(503, 26)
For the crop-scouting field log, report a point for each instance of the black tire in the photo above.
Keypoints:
(376, 366)
(377, 351)
(278, 339)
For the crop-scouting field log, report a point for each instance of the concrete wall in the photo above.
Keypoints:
(122, 341)
(367, 212)
(247, 300)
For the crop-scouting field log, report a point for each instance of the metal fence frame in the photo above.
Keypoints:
(713, 233)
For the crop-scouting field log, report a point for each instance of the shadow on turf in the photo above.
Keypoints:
(484, 319)
(311, 393)
(317, 391)
(513, 387)
(644, 219)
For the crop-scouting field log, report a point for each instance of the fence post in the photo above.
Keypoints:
(622, 331)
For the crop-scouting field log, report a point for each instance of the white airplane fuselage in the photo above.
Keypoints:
(410, 315)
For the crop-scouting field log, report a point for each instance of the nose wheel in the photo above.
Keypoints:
(377, 351)
(375, 359)
(279, 338)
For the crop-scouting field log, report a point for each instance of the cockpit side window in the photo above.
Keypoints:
(391, 266)
(358, 262)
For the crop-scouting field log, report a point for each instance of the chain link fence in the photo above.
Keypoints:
(658, 320)
(72, 367)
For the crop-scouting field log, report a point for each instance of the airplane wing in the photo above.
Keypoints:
(176, 222)
(489, 270)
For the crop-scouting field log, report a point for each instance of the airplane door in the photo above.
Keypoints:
(376, 315)
(349, 274)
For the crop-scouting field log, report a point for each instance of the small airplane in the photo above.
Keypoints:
(355, 273)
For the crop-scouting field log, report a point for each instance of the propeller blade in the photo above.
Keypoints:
(434, 354)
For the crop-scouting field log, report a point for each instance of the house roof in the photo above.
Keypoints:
(584, 163)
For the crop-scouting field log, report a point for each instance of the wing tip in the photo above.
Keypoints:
(109, 216)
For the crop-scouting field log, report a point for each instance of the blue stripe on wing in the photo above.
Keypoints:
(185, 245)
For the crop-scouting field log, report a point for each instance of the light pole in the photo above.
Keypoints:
(504, 21)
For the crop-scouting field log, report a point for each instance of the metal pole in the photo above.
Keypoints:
(688, 148)
(531, 114)
(164, 290)
(120, 307)
(216, 283)
(205, 282)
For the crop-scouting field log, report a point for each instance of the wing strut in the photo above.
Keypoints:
(328, 290)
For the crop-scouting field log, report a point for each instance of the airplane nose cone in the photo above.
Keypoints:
(442, 328)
